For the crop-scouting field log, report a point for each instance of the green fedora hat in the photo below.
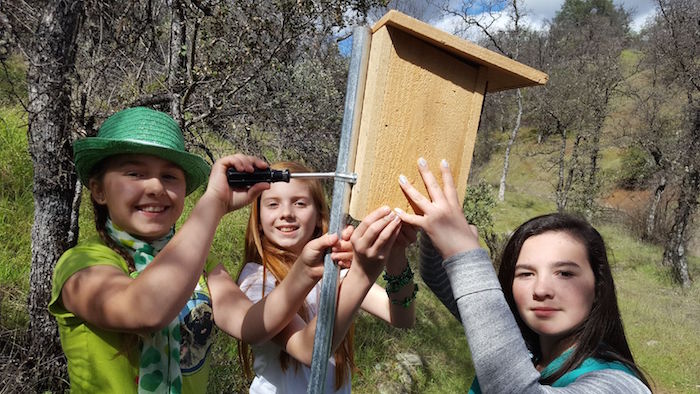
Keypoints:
(139, 130)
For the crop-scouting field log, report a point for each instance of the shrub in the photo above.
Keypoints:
(636, 169)
(478, 209)
(13, 81)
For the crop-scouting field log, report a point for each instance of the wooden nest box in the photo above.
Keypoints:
(423, 96)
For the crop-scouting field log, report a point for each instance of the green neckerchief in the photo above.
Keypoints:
(588, 365)
(159, 365)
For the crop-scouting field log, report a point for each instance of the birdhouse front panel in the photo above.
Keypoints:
(419, 101)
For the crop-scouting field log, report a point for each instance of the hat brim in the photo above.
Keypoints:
(87, 152)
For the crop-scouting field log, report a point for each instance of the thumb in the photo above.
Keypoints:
(323, 242)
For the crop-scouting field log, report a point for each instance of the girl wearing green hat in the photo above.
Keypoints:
(136, 306)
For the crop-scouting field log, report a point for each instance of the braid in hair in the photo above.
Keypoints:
(131, 343)
(101, 216)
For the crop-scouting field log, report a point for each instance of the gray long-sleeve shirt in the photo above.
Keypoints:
(467, 284)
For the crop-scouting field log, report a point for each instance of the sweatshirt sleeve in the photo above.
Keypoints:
(434, 275)
(501, 359)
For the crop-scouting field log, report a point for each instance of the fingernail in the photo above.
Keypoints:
(422, 162)
(392, 215)
(444, 163)
(397, 218)
(399, 211)
(402, 179)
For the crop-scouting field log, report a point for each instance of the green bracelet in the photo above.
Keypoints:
(408, 300)
(395, 283)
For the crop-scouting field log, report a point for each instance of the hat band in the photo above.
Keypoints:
(154, 144)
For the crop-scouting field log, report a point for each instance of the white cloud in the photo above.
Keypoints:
(639, 20)
(539, 12)
(448, 23)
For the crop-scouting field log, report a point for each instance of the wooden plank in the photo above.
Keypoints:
(474, 110)
(419, 101)
(503, 72)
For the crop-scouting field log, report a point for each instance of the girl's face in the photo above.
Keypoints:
(144, 194)
(288, 215)
(553, 286)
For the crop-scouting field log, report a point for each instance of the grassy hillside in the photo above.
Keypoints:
(662, 321)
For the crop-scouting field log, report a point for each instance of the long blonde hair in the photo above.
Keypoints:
(258, 249)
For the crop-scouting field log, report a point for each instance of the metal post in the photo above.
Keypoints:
(354, 94)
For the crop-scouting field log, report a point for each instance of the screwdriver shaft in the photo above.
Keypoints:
(352, 178)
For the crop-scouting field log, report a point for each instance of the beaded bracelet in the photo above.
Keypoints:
(395, 283)
(408, 300)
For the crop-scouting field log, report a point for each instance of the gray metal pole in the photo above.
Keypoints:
(354, 94)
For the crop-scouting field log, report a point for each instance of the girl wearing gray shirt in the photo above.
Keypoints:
(549, 322)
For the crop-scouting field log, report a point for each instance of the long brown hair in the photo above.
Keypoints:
(258, 249)
(601, 335)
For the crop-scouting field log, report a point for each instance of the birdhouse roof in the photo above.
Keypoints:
(502, 72)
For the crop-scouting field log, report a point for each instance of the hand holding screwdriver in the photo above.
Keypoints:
(246, 179)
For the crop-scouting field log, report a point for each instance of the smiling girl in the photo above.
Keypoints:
(136, 306)
(549, 322)
(282, 220)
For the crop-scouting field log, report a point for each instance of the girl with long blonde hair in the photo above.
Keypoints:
(282, 220)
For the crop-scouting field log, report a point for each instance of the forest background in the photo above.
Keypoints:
(613, 136)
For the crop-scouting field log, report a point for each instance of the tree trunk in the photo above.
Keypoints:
(675, 250)
(651, 217)
(178, 61)
(51, 62)
(674, 253)
(592, 191)
(573, 171)
(560, 195)
(513, 135)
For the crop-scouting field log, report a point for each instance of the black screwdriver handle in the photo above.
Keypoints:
(244, 179)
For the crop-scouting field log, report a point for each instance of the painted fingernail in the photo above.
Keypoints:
(444, 163)
(422, 162)
(402, 179)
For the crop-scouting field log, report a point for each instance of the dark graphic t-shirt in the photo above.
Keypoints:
(196, 327)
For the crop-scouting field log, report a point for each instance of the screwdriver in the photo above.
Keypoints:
(246, 179)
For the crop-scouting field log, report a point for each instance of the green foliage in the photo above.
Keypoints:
(477, 206)
(13, 81)
(15, 163)
(576, 12)
(636, 168)
(16, 203)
